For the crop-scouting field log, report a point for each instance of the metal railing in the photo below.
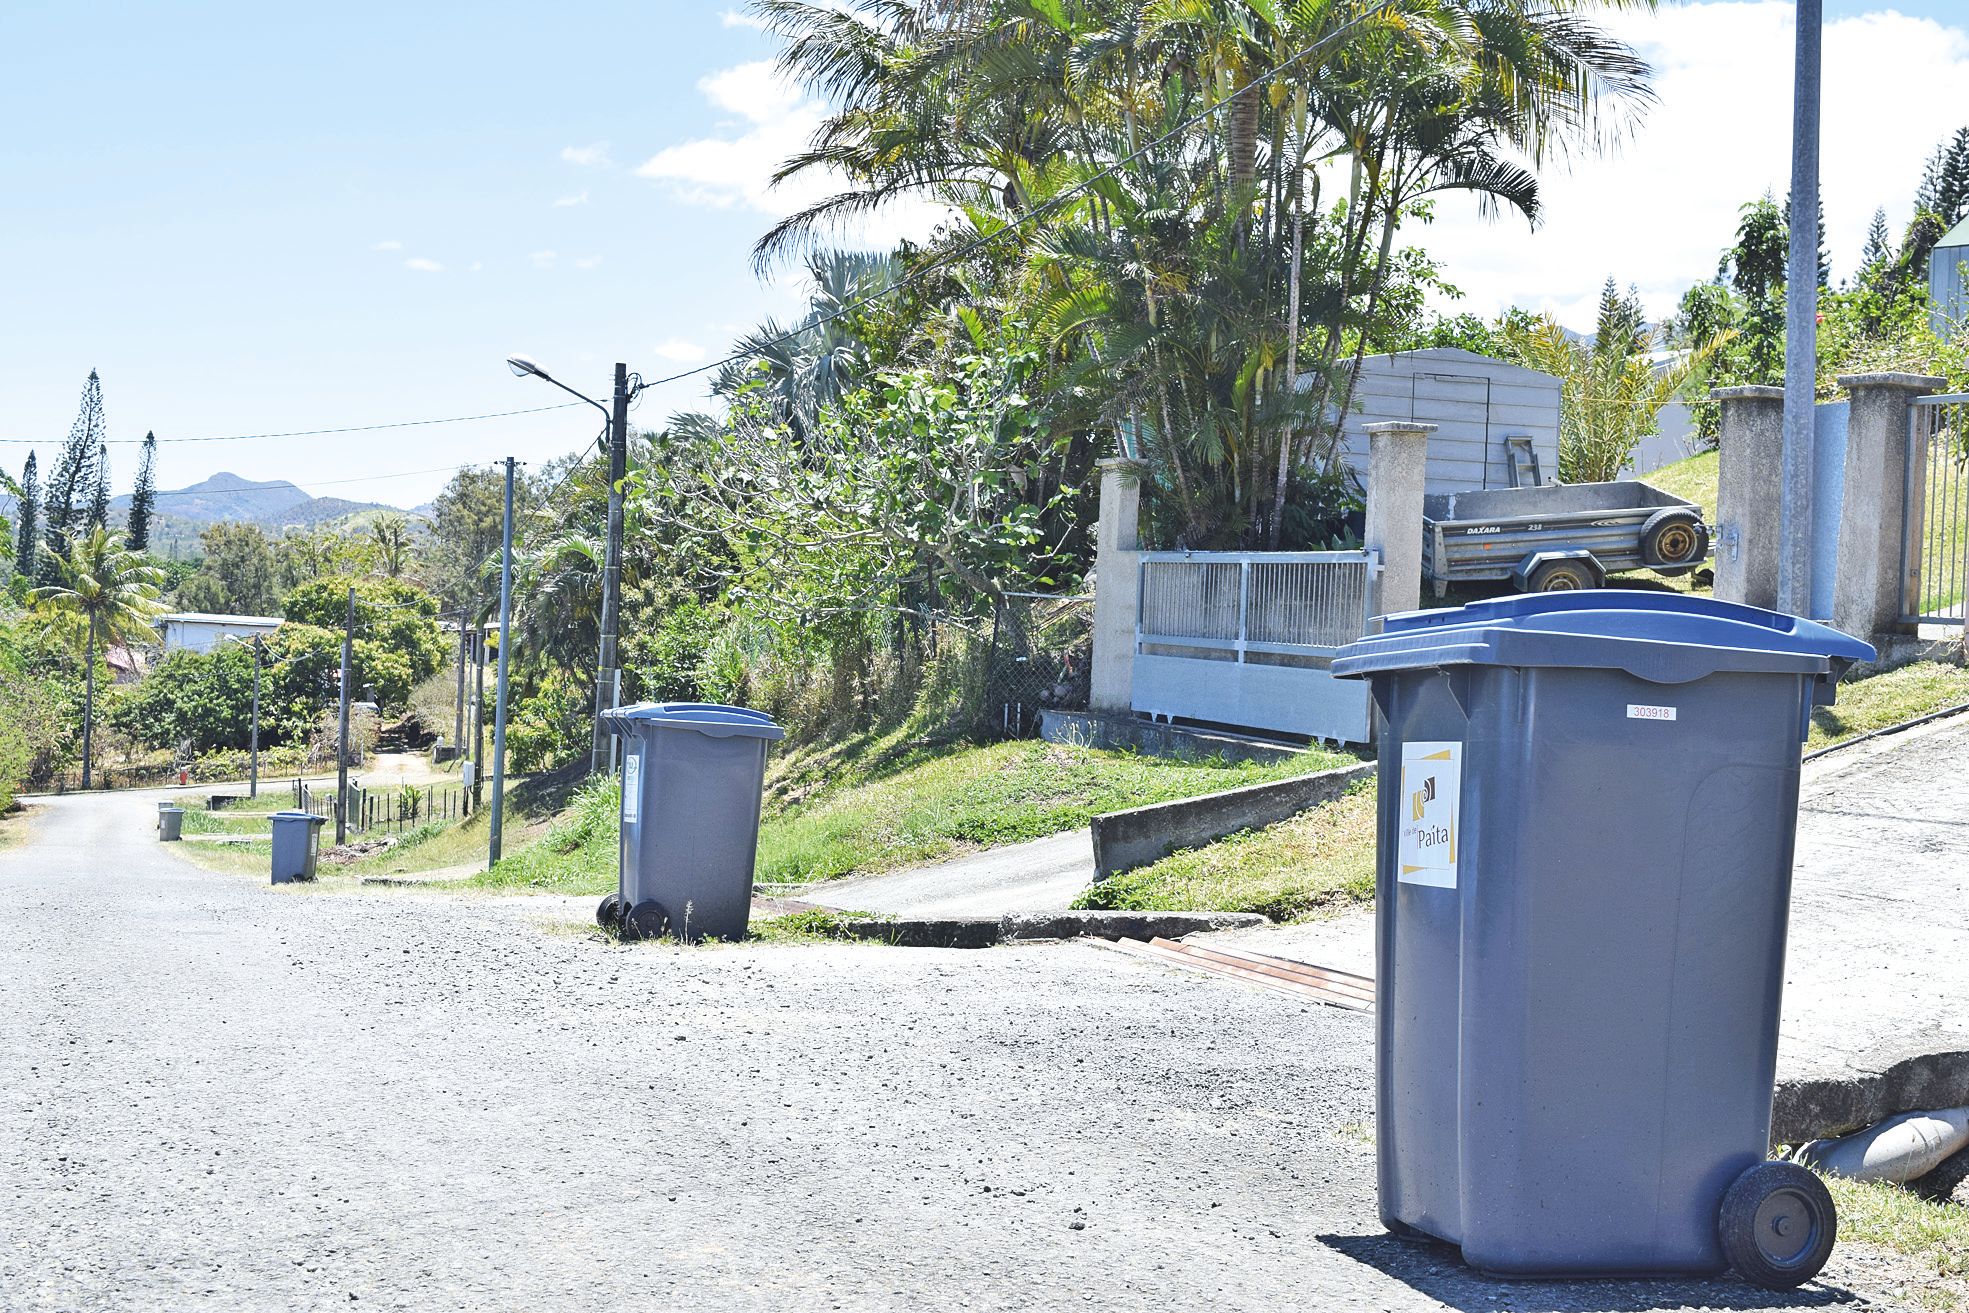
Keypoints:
(1935, 531)
(386, 811)
(1285, 608)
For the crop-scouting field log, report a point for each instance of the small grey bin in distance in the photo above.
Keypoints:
(296, 845)
(1587, 808)
(692, 775)
(170, 824)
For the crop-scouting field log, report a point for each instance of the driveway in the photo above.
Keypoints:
(221, 1095)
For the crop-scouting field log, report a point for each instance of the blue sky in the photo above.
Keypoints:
(258, 217)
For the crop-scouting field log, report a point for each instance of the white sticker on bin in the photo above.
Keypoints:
(632, 787)
(1431, 803)
(1642, 711)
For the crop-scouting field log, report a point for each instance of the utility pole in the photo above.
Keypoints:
(342, 752)
(505, 651)
(618, 468)
(1801, 314)
(458, 727)
(478, 722)
(259, 664)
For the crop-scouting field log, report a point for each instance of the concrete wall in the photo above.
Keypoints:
(1141, 835)
(1674, 439)
(1475, 402)
(1874, 509)
(1750, 493)
(1117, 584)
(1397, 461)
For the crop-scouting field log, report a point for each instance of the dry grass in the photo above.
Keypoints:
(1889, 699)
(1935, 1234)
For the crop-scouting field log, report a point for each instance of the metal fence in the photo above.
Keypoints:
(1282, 608)
(386, 811)
(1042, 654)
(1935, 533)
(1245, 638)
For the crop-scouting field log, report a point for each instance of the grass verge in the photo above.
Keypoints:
(1888, 699)
(1935, 1234)
(1320, 859)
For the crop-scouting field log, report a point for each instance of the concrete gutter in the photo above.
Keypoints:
(1128, 839)
(984, 932)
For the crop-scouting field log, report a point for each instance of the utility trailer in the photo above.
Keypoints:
(1559, 537)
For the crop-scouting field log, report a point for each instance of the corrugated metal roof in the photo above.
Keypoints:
(1956, 236)
(208, 618)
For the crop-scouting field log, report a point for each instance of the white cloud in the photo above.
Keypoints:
(544, 259)
(678, 351)
(733, 18)
(423, 266)
(1658, 212)
(477, 265)
(774, 121)
(586, 156)
(568, 202)
(588, 262)
(391, 245)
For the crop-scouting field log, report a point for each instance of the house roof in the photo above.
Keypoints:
(208, 618)
(1956, 236)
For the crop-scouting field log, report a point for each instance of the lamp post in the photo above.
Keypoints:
(618, 468)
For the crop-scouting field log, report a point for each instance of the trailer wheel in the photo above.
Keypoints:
(1777, 1225)
(1674, 537)
(1561, 577)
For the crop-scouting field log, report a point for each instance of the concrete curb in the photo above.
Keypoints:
(1874, 1087)
(985, 932)
(1125, 840)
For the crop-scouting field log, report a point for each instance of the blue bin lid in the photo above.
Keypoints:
(1667, 638)
(291, 815)
(708, 718)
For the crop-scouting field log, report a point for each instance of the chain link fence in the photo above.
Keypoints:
(1042, 651)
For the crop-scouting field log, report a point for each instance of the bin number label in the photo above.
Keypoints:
(1641, 711)
(632, 787)
(1432, 788)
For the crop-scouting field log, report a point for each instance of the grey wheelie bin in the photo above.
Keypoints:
(170, 824)
(1587, 807)
(692, 774)
(296, 842)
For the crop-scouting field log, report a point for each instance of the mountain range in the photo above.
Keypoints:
(273, 505)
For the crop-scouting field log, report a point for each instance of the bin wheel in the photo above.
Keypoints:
(646, 920)
(1777, 1225)
(609, 915)
(1674, 537)
(1561, 577)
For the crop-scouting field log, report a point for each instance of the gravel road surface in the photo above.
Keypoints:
(219, 1095)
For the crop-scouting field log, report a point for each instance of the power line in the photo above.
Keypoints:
(312, 433)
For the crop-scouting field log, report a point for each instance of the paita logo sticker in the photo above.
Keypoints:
(1432, 784)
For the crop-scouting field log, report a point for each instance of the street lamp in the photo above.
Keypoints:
(617, 435)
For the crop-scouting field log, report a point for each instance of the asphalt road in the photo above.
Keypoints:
(219, 1095)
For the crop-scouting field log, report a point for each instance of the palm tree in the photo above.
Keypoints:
(391, 534)
(109, 592)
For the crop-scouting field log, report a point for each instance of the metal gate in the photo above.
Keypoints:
(1245, 639)
(1935, 532)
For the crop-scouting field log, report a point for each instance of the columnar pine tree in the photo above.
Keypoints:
(1944, 190)
(143, 497)
(99, 490)
(67, 501)
(1879, 249)
(27, 545)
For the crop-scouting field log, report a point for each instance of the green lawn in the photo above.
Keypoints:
(1874, 1213)
(1300, 867)
(1693, 479)
(1889, 699)
(928, 803)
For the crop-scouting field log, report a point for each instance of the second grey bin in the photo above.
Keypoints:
(692, 774)
(296, 840)
(170, 823)
(1587, 806)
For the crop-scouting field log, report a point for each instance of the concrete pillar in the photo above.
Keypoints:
(1117, 584)
(1866, 597)
(1397, 469)
(1749, 494)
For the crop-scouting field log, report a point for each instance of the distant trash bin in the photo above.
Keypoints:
(1587, 808)
(296, 842)
(170, 824)
(692, 774)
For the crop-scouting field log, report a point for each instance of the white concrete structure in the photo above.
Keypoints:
(1475, 403)
(200, 631)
